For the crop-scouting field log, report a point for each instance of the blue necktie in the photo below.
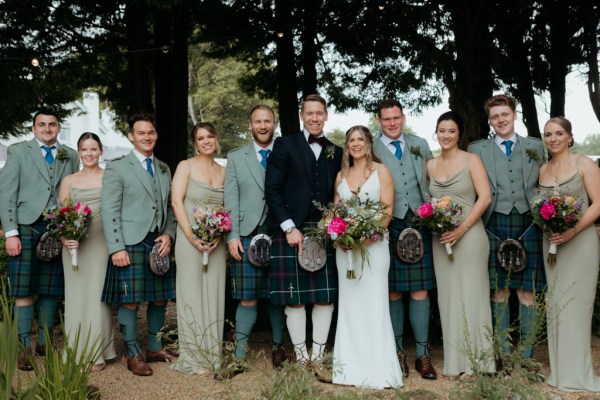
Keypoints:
(264, 154)
(49, 157)
(398, 152)
(149, 167)
(508, 145)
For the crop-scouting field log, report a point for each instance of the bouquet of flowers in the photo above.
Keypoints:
(348, 223)
(440, 215)
(208, 224)
(71, 220)
(555, 214)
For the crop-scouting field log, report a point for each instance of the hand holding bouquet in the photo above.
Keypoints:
(69, 220)
(209, 224)
(349, 223)
(555, 214)
(440, 215)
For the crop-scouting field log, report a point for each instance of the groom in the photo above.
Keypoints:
(302, 169)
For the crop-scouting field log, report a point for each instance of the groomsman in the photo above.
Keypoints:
(29, 183)
(512, 162)
(302, 169)
(406, 157)
(137, 215)
(245, 197)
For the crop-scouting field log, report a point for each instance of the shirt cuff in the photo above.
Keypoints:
(14, 232)
(287, 224)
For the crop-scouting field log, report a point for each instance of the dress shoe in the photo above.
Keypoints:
(161, 355)
(40, 350)
(425, 368)
(234, 368)
(278, 357)
(403, 363)
(24, 360)
(138, 366)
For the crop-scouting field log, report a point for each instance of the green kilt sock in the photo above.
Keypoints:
(128, 323)
(46, 311)
(527, 318)
(155, 315)
(24, 320)
(397, 315)
(501, 321)
(276, 315)
(245, 318)
(419, 314)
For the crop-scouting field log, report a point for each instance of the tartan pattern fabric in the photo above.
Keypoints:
(247, 281)
(405, 277)
(290, 284)
(27, 274)
(512, 226)
(136, 283)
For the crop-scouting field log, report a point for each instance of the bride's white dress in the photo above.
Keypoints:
(364, 352)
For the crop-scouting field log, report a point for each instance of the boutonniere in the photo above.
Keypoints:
(330, 152)
(532, 154)
(62, 154)
(163, 166)
(416, 151)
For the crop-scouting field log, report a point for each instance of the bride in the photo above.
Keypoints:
(365, 352)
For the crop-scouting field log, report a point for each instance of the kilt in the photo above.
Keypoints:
(405, 277)
(291, 284)
(247, 281)
(532, 278)
(27, 274)
(136, 283)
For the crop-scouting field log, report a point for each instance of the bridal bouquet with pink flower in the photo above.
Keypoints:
(555, 214)
(69, 219)
(440, 215)
(208, 224)
(348, 223)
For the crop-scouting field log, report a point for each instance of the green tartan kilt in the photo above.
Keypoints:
(533, 277)
(291, 284)
(405, 277)
(247, 281)
(136, 283)
(27, 274)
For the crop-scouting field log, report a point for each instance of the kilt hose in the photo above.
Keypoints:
(27, 274)
(501, 227)
(247, 281)
(405, 277)
(136, 283)
(291, 284)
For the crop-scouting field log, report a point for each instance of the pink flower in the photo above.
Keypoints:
(337, 226)
(547, 211)
(225, 221)
(425, 210)
(77, 206)
(87, 210)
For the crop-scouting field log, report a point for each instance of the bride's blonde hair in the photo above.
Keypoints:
(371, 157)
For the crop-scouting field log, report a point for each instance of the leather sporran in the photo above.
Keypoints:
(259, 251)
(314, 254)
(511, 255)
(159, 265)
(49, 247)
(409, 247)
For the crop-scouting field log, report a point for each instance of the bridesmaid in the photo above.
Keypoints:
(198, 182)
(83, 288)
(572, 279)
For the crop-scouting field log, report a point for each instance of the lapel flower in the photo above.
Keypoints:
(62, 154)
(416, 151)
(532, 154)
(330, 152)
(163, 166)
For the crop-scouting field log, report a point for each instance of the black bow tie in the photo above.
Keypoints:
(321, 140)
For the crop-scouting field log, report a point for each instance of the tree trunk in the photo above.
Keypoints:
(309, 46)
(559, 67)
(286, 70)
(590, 27)
(138, 87)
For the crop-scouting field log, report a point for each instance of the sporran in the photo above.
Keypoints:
(410, 247)
(259, 251)
(314, 254)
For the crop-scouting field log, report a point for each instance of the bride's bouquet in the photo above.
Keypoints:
(208, 224)
(440, 215)
(348, 223)
(555, 214)
(70, 219)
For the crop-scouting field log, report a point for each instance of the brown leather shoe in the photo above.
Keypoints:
(24, 360)
(138, 366)
(403, 363)
(425, 368)
(234, 368)
(40, 350)
(161, 355)
(278, 357)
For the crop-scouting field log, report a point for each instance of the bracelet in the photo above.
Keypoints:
(575, 230)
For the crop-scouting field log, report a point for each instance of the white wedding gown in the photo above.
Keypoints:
(364, 352)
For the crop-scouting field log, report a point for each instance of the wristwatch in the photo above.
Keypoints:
(289, 230)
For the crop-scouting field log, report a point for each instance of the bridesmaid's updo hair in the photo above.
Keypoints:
(208, 127)
(454, 117)
(565, 124)
(371, 157)
(88, 135)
